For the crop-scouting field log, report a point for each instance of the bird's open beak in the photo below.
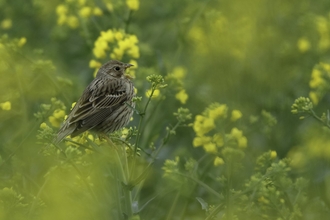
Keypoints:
(127, 65)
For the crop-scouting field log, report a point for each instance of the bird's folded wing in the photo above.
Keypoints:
(105, 94)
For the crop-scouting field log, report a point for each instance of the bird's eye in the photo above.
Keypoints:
(117, 68)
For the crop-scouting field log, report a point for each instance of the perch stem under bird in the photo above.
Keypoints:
(106, 104)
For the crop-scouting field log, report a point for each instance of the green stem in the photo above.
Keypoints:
(173, 206)
(319, 119)
(138, 135)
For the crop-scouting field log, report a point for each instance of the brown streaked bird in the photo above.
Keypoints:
(106, 104)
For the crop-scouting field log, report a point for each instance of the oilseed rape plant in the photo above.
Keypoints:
(230, 114)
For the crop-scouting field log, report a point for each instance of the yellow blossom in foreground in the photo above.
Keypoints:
(154, 95)
(85, 12)
(220, 111)
(133, 4)
(303, 44)
(273, 154)
(182, 96)
(6, 24)
(6, 106)
(218, 161)
(21, 42)
(97, 11)
(235, 115)
(94, 64)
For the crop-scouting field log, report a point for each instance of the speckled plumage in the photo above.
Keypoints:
(105, 105)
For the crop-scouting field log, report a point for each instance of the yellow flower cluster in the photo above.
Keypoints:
(64, 18)
(67, 14)
(178, 74)
(303, 44)
(319, 82)
(204, 124)
(133, 4)
(238, 136)
(322, 25)
(57, 118)
(121, 43)
(116, 44)
(6, 106)
(207, 134)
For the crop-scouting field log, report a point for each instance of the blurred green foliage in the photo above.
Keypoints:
(215, 134)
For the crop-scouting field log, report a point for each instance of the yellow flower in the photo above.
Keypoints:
(57, 117)
(154, 95)
(6, 23)
(316, 80)
(117, 54)
(218, 139)
(133, 4)
(235, 115)
(6, 106)
(303, 44)
(179, 73)
(200, 141)
(134, 51)
(238, 135)
(82, 2)
(220, 111)
(119, 35)
(242, 142)
(108, 36)
(43, 125)
(61, 9)
(314, 97)
(94, 64)
(273, 154)
(59, 113)
(210, 148)
(21, 42)
(218, 161)
(182, 96)
(85, 12)
(97, 11)
(235, 133)
(202, 125)
(62, 19)
(109, 6)
(73, 22)
(73, 105)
